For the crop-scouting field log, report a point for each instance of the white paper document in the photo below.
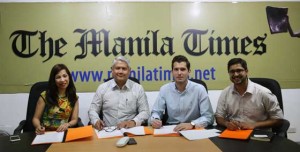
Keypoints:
(200, 134)
(135, 130)
(107, 132)
(49, 137)
(164, 130)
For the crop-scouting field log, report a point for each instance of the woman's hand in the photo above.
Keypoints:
(63, 127)
(40, 130)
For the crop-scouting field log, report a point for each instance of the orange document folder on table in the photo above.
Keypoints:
(58, 137)
(237, 134)
(78, 133)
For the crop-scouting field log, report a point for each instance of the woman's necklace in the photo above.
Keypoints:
(61, 96)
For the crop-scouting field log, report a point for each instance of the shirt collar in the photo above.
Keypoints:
(115, 86)
(250, 88)
(186, 87)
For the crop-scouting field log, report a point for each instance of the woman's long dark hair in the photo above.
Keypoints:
(52, 92)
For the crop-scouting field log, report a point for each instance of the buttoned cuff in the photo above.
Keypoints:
(154, 116)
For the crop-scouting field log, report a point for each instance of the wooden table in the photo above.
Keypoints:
(146, 143)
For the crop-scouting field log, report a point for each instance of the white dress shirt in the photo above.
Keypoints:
(256, 104)
(119, 104)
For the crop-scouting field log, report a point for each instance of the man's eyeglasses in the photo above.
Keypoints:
(236, 71)
(110, 129)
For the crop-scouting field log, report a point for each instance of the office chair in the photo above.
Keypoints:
(3, 133)
(165, 115)
(35, 91)
(200, 82)
(275, 88)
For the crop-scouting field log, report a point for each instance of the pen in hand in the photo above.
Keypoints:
(237, 123)
(156, 123)
(99, 125)
(40, 130)
(233, 124)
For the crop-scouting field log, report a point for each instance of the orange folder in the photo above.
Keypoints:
(148, 131)
(237, 134)
(57, 137)
(78, 133)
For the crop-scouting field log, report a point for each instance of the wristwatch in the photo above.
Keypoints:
(193, 124)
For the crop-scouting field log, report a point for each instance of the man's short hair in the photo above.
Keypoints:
(121, 58)
(181, 58)
(237, 61)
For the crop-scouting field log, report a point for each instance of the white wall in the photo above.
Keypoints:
(13, 108)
